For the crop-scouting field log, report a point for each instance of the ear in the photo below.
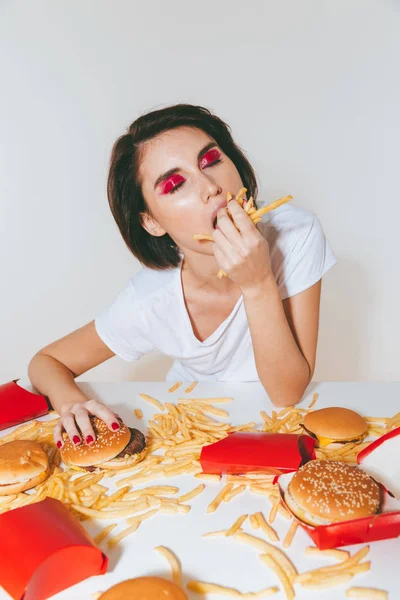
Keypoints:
(151, 225)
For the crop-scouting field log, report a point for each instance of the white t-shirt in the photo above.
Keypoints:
(150, 313)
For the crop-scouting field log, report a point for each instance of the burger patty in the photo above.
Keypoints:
(335, 441)
(136, 444)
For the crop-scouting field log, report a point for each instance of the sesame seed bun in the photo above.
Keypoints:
(23, 465)
(337, 424)
(323, 492)
(107, 451)
(145, 588)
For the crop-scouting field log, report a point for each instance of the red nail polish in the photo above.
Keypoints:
(89, 439)
(76, 440)
(59, 444)
(115, 426)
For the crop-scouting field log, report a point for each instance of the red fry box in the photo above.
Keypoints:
(385, 452)
(18, 405)
(45, 550)
(273, 453)
(380, 460)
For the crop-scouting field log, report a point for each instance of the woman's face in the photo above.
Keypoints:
(185, 178)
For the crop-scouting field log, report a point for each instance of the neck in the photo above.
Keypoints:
(201, 271)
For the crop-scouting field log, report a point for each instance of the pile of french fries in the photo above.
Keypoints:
(176, 435)
(254, 214)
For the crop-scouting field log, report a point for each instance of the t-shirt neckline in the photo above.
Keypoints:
(215, 334)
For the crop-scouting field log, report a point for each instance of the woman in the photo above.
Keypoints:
(168, 181)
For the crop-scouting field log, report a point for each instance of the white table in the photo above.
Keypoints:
(223, 560)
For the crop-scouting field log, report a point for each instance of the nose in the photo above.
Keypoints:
(210, 188)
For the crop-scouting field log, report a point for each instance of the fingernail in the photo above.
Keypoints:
(89, 439)
(59, 444)
(76, 440)
(115, 426)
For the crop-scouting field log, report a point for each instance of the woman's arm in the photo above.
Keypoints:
(53, 370)
(284, 336)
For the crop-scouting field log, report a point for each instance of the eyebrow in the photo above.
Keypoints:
(176, 169)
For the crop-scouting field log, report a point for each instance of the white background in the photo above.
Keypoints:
(311, 90)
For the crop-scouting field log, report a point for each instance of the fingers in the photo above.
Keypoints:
(240, 218)
(222, 242)
(70, 427)
(83, 422)
(104, 413)
(226, 226)
(57, 433)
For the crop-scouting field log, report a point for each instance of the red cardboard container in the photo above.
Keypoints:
(274, 453)
(45, 550)
(380, 461)
(18, 405)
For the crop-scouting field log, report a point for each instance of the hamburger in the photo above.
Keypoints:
(322, 492)
(145, 588)
(111, 449)
(23, 465)
(336, 424)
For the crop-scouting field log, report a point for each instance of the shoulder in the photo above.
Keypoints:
(150, 283)
(291, 231)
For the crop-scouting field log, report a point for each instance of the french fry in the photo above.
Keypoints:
(101, 536)
(205, 400)
(313, 401)
(120, 536)
(201, 587)
(155, 473)
(152, 401)
(254, 522)
(138, 413)
(191, 387)
(85, 481)
(207, 238)
(175, 387)
(192, 494)
(361, 568)
(239, 196)
(212, 507)
(107, 500)
(219, 412)
(236, 526)
(156, 490)
(208, 477)
(260, 490)
(274, 509)
(337, 554)
(267, 548)
(266, 209)
(220, 532)
(143, 517)
(290, 534)
(266, 528)
(234, 492)
(173, 509)
(174, 563)
(275, 566)
(104, 514)
(344, 566)
(366, 593)
(327, 582)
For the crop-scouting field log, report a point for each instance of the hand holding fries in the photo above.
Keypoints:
(232, 245)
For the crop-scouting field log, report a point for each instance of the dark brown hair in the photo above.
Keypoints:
(124, 188)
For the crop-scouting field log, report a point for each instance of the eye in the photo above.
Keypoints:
(173, 183)
(212, 157)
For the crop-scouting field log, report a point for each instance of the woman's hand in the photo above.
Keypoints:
(76, 422)
(240, 249)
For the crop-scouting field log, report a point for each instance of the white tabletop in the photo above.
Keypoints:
(223, 560)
